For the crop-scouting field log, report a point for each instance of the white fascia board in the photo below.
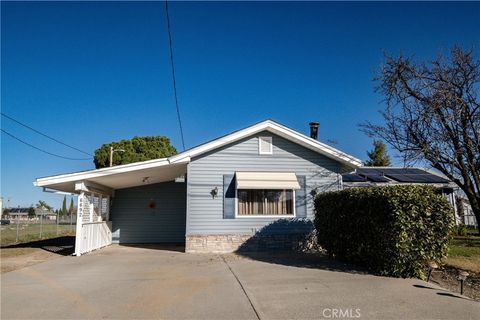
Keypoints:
(78, 176)
(219, 142)
(186, 156)
(316, 145)
(278, 129)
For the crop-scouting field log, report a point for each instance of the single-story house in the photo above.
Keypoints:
(21, 214)
(213, 197)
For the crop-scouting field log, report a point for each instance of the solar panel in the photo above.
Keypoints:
(377, 178)
(368, 171)
(352, 177)
(385, 171)
(418, 178)
(431, 178)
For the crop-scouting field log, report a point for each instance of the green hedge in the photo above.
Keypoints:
(392, 231)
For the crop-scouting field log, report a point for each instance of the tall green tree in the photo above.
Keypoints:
(71, 209)
(63, 211)
(6, 213)
(378, 157)
(135, 149)
(43, 205)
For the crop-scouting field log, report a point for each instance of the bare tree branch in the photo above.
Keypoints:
(432, 112)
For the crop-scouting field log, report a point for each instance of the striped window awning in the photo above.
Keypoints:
(267, 180)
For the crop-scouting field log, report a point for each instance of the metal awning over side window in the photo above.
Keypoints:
(267, 180)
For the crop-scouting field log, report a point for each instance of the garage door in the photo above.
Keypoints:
(149, 214)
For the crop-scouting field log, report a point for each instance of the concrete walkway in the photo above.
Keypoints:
(122, 282)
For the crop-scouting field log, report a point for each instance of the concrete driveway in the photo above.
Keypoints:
(121, 282)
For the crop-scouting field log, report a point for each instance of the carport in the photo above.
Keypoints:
(141, 184)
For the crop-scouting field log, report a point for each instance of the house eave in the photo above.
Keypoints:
(277, 129)
(178, 162)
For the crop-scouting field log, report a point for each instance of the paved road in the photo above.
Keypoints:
(122, 282)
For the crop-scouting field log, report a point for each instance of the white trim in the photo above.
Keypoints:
(266, 139)
(276, 128)
(83, 175)
(294, 215)
(79, 222)
(186, 156)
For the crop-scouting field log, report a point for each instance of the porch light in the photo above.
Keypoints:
(462, 276)
(431, 266)
(214, 192)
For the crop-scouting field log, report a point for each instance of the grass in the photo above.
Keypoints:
(464, 253)
(31, 232)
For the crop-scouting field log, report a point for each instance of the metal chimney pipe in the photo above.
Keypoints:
(314, 129)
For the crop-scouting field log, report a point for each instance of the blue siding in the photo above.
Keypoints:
(134, 221)
(205, 214)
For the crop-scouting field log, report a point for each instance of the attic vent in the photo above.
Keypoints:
(265, 145)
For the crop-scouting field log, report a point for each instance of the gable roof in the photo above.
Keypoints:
(276, 128)
(119, 174)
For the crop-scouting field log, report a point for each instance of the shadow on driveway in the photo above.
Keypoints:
(303, 260)
(64, 246)
(176, 247)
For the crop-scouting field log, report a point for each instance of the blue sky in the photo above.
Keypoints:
(95, 72)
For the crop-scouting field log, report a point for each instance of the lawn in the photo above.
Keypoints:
(31, 232)
(464, 253)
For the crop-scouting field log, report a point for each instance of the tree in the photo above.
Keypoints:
(6, 213)
(63, 211)
(378, 157)
(71, 209)
(31, 212)
(43, 205)
(433, 114)
(135, 149)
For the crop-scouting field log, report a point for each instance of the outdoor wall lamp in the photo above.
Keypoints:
(462, 276)
(214, 192)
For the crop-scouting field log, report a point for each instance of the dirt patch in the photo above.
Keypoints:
(448, 279)
(18, 260)
(22, 255)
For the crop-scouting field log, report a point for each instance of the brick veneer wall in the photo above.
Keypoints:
(232, 243)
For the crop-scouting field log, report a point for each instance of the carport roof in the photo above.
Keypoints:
(167, 169)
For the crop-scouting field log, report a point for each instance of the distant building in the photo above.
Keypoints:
(22, 214)
(465, 211)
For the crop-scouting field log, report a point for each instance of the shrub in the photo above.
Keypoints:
(460, 230)
(392, 231)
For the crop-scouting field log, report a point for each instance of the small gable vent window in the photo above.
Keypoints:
(265, 145)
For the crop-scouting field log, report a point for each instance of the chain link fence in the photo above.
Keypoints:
(21, 230)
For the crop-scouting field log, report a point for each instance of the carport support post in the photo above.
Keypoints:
(78, 232)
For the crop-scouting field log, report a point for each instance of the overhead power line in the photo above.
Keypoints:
(45, 135)
(173, 73)
(39, 149)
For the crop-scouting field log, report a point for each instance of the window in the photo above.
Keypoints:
(265, 145)
(253, 202)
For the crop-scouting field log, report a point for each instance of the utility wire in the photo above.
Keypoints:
(43, 134)
(173, 74)
(44, 151)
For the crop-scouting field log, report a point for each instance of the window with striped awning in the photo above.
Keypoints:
(266, 193)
